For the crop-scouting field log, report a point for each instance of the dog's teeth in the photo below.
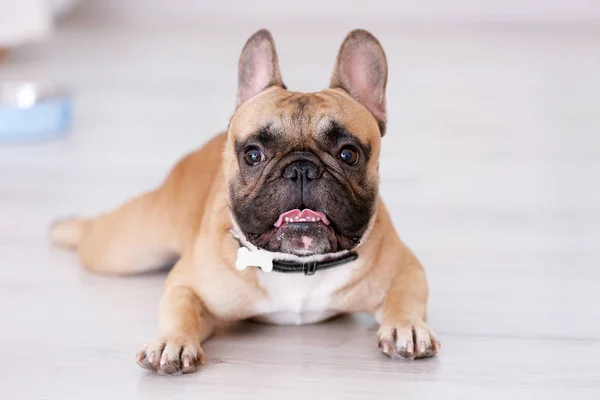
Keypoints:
(297, 218)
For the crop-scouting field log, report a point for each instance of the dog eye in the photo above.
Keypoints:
(254, 156)
(349, 155)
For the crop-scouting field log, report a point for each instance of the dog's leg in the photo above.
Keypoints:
(136, 237)
(403, 331)
(183, 324)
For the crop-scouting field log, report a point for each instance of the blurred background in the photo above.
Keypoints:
(490, 167)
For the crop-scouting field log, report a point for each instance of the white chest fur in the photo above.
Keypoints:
(297, 299)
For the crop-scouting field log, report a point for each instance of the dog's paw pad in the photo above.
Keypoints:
(170, 356)
(408, 339)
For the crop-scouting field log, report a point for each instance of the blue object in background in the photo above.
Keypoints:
(30, 112)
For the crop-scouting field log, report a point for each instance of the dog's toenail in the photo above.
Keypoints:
(386, 347)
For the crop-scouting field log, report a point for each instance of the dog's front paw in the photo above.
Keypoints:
(409, 339)
(171, 355)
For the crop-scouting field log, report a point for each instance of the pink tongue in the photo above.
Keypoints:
(306, 213)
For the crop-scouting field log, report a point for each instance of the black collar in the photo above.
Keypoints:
(310, 267)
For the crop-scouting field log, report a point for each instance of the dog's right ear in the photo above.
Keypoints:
(258, 67)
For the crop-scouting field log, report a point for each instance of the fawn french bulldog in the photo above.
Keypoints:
(292, 187)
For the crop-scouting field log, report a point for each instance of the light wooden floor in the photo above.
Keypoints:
(491, 170)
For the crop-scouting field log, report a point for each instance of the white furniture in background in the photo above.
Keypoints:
(25, 21)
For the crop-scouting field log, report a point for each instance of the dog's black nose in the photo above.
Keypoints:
(302, 171)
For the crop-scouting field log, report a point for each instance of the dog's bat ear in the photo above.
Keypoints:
(258, 66)
(361, 70)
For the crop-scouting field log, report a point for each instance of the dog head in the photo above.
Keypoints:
(302, 168)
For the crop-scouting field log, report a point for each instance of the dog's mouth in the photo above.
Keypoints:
(297, 216)
(303, 233)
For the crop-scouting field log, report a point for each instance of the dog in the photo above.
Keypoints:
(293, 185)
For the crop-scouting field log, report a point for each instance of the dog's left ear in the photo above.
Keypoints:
(258, 66)
(361, 70)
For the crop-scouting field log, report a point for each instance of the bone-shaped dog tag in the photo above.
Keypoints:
(259, 258)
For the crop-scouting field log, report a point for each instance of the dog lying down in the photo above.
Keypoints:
(278, 219)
